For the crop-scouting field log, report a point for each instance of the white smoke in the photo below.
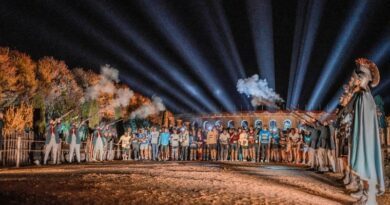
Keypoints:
(123, 96)
(149, 109)
(259, 91)
(106, 85)
(108, 76)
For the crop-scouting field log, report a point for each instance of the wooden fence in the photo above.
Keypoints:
(16, 149)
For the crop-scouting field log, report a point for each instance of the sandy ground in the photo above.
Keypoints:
(171, 183)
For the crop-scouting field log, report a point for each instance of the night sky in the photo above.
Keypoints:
(193, 52)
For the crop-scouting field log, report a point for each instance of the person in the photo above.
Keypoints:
(111, 137)
(332, 146)
(144, 144)
(52, 140)
(264, 139)
(212, 137)
(193, 145)
(164, 144)
(125, 144)
(200, 143)
(275, 139)
(251, 144)
(224, 144)
(74, 140)
(174, 140)
(184, 144)
(135, 144)
(323, 146)
(366, 155)
(283, 141)
(306, 146)
(234, 136)
(1, 132)
(99, 141)
(314, 135)
(155, 142)
(295, 140)
(243, 142)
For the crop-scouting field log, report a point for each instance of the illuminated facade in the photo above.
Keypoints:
(278, 119)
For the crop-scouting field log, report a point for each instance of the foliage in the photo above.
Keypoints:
(18, 118)
(50, 87)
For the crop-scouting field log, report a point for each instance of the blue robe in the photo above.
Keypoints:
(366, 153)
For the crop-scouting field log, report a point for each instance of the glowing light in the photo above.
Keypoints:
(172, 31)
(129, 59)
(301, 53)
(156, 56)
(341, 48)
(260, 16)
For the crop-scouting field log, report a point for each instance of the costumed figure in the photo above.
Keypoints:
(52, 141)
(99, 142)
(366, 157)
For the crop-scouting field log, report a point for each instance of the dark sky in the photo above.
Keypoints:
(190, 37)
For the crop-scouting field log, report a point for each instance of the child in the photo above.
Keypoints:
(243, 141)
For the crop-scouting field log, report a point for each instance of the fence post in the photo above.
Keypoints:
(18, 152)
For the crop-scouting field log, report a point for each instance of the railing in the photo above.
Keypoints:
(20, 148)
(16, 149)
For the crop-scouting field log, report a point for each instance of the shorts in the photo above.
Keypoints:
(194, 146)
(251, 146)
(144, 146)
(212, 146)
(165, 148)
(125, 149)
(244, 147)
(275, 146)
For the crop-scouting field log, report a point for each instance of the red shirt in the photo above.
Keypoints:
(234, 138)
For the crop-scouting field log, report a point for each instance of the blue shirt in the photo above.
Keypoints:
(276, 138)
(264, 136)
(164, 138)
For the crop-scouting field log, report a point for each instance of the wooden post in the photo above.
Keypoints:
(18, 152)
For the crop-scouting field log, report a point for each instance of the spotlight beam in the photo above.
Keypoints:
(221, 35)
(345, 41)
(311, 26)
(260, 17)
(171, 30)
(85, 27)
(154, 55)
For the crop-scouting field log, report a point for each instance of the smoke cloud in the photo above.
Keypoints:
(106, 85)
(259, 91)
(149, 109)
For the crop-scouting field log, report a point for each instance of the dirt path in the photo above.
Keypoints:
(169, 183)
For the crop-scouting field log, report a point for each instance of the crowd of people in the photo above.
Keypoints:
(353, 138)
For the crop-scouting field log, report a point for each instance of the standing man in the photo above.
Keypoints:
(175, 145)
(74, 141)
(125, 140)
(224, 142)
(212, 137)
(264, 139)
(164, 144)
(323, 145)
(184, 143)
(52, 140)
(154, 141)
(314, 135)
